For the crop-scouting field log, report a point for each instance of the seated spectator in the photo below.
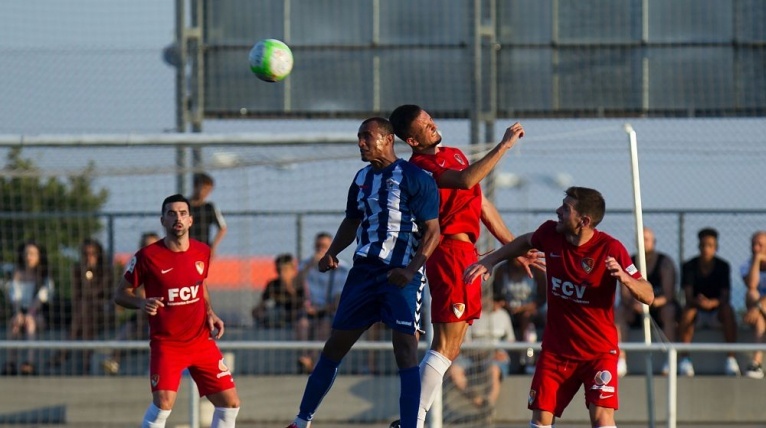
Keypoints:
(664, 310)
(31, 286)
(525, 302)
(707, 285)
(92, 307)
(322, 291)
(282, 298)
(753, 273)
(495, 326)
(134, 326)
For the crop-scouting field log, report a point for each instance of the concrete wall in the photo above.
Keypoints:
(121, 401)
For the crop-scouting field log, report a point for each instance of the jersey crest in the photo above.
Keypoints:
(587, 264)
(200, 267)
(458, 309)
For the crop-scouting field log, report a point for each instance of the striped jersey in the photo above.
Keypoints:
(392, 203)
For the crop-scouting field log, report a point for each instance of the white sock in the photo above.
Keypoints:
(224, 417)
(155, 417)
(432, 370)
(610, 426)
(301, 423)
(533, 425)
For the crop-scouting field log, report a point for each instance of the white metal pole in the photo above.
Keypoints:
(638, 214)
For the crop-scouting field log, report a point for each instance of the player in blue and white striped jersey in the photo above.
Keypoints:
(392, 212)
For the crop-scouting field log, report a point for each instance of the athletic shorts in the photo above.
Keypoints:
(451, 299)
(368, 297)
(202, 358)
(557, 380)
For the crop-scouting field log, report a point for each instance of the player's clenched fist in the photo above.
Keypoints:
(512, 135)
(152, 304)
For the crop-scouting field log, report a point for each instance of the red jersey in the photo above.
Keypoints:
(580, 292)
(459, 209)
(178, 278)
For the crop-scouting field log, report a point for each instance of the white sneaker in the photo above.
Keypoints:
(732, 367)
(622, 367)
(685, 367)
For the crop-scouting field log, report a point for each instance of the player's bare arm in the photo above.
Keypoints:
(492, 219)
(125, 295)
(518, 247)
(429, 242)
(344, 237)
(640, 289)
(477, 171)
(214, 323)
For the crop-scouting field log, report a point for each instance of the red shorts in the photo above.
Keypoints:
(451, 299)
(203, 359)
(557, 380)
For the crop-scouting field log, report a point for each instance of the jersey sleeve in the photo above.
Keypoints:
(620, 253)
(424, 200)
(352, 208)
(132, 271)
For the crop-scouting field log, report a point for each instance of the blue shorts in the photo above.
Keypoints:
(368, 297)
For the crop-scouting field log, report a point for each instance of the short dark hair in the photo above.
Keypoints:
(708, 231)
(283, 259)
(201, 178)
(323, 235)
(175, 198)
(590, 202)
(402, 117)
(383, 124)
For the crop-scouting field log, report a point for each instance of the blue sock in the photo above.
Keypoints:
(409, 396)
(319, 383)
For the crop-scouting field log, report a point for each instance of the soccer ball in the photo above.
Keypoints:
(271, 60)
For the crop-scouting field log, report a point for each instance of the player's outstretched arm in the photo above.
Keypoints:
(477, 171)
(516, 248)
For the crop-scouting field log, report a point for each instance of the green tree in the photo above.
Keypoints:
(57, 212)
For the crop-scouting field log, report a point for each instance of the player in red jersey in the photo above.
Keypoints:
(580, 339)
(462, 209)
(182, 323)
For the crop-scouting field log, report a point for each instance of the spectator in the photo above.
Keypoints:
(31, 287)
(495, 325)
(322, 292)
(134, 326)
(282, 298)
(524, 299)
(664, 310)
(753, 272)
(92, 308)
(707, 285)
(204, 213)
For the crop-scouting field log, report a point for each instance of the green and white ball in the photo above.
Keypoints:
(271, 60)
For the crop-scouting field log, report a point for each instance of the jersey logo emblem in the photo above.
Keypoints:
(155, 380)
(458, 309)
(164, 271)
(200, 267)
(603, 377)
(440, 162)
(587, 264)
(459, 159)
(532, 395)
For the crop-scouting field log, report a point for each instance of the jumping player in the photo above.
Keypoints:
(579, 344)
(454, 305)
(182, 323)
(392, 210)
